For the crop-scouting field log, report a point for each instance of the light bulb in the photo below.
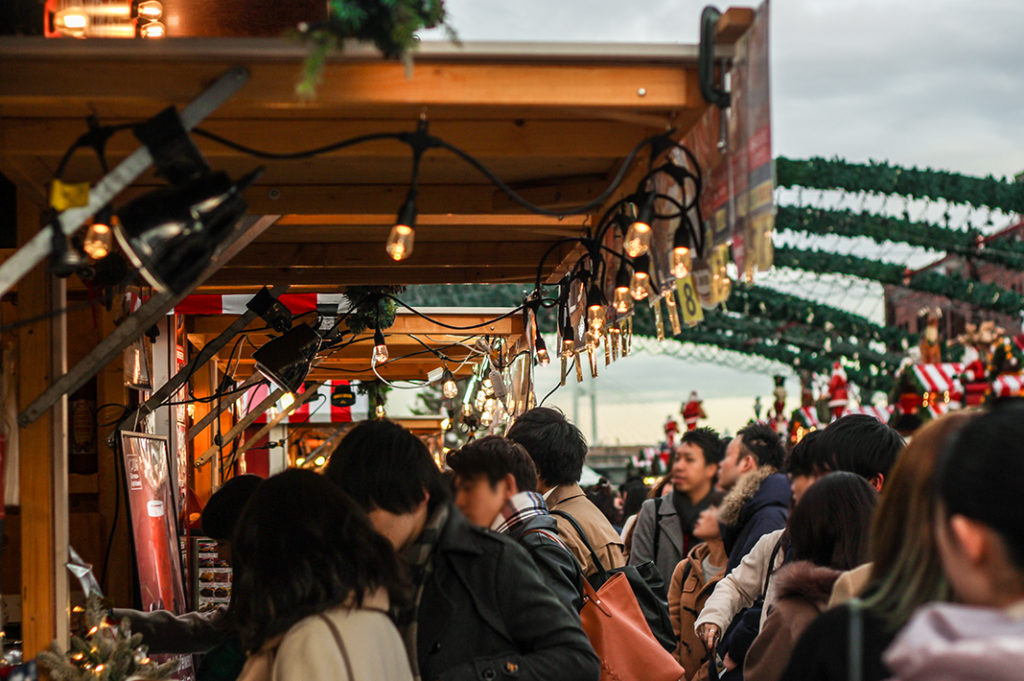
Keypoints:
(300, 461)
(638, 239)
(400, 242)
(380, 348)
(150, 9)
(153, 29)
(682, 262)
(467, 410)
(287, 400)
(71, 21)
(319, 461)
(638, 286)
(623, 301)
(99, 239)
(596, 318)
(568, 348)
(401, 238)
(449, 388)
(542, 352)
(379, 411)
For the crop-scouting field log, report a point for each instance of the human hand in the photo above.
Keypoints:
(708, 633)
(728, 663)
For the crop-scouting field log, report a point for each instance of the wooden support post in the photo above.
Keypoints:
(42, 471)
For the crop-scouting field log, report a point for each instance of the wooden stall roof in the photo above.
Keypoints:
(412, 343)
(555, 121)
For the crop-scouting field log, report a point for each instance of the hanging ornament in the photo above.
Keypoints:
(592, 357)
(579, 368)
(607, 346)
(673, 312)
(659, 321)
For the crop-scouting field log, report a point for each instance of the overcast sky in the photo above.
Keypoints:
(931, 83)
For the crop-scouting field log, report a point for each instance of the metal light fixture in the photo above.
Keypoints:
(596, 315)
(449, 388)
(542, 350)
(380, 348)
(286, 360)
(171, 233)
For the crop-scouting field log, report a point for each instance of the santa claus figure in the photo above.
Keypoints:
(693, 411)
(838, 391)
(671, 430)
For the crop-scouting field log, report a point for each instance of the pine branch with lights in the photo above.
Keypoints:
(108, 652)
(884, 178)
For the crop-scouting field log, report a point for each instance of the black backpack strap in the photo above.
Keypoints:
(657, 527)
(771, 564)
(586, 542)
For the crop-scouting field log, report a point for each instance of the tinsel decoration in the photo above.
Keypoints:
(108, 652)
(391, 25)
(884, 178)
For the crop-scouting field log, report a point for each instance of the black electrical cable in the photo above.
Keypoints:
(416, 312)
(558, 385)
(117, 506)
(296, 155)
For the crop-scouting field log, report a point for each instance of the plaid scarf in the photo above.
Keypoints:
(417, 556)
(517, 509)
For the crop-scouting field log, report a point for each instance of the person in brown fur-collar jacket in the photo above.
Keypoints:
(828, 532)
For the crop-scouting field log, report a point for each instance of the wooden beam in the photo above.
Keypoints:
(332, 278)
(269, 401)
(733, 24)
(141, 81)
(212, 414)
(42, 464)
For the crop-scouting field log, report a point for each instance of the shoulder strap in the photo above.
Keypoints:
(771, 564)
(553, 537)
(856, 642)
(341, 646)
(657, 527)
(586, 542)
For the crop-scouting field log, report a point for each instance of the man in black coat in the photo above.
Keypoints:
(479, 609)
(496, 488)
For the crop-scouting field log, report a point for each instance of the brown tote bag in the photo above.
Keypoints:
(621, 637)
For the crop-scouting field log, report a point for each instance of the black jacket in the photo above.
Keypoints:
(558, 567)
(486, 614)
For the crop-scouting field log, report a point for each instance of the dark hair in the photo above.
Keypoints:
(554, 444)
(716, 497)
(861, 444)
(807, 456)
(382, 465)
(763, 443)
(603, 496)
(302, 546)
(221, 513)
(830, 525)
(636, 493)
(495, 457)
(981, 474)
(709, 442)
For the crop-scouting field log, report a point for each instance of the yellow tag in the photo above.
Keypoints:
(64, 196)
(689, 304)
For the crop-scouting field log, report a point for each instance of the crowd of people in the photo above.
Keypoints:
(853, 555)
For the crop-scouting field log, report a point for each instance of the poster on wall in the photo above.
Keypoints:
(154, 525)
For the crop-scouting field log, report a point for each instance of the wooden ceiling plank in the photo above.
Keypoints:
(328, 279)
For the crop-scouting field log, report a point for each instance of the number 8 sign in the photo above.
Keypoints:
(693, 313)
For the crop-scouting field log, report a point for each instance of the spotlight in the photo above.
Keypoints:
(400, 240)
(285, 360)
(271, 310)
(172, 233)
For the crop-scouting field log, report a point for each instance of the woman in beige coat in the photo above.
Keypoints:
(311, 587)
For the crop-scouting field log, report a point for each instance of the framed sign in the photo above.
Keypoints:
(154, 521)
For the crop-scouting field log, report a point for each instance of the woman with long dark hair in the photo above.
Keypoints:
(979, 530)
(311, 586)
(828, 533)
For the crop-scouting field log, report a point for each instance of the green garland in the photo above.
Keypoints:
(884, 178)
(391, 25)
(953, 286)
(372, 310)
(883, 228)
